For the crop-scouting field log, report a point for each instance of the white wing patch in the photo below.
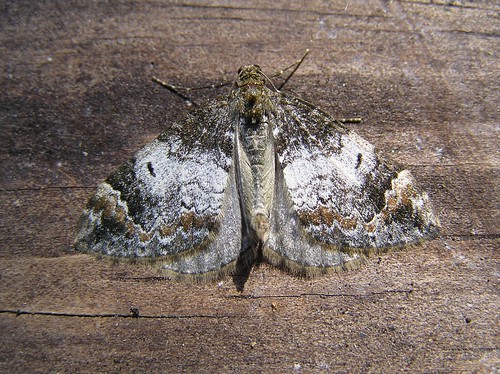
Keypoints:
(198, 182)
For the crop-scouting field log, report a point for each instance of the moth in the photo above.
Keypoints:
(257, 174)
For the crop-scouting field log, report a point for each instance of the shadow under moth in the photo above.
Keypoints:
(255, 175)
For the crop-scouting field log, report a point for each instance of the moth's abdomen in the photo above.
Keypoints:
(256, 172)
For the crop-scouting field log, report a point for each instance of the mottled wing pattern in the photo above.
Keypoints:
(176, 201)
(340, 198)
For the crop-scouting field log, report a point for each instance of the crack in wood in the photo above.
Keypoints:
(48, 188)
(136, 315)
(322, 295)
(464, 237)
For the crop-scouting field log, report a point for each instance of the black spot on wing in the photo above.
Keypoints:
(151, 169)
(360, 159)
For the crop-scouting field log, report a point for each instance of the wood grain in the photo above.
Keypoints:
(77, 101)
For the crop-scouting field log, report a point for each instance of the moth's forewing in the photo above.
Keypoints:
(175, 201)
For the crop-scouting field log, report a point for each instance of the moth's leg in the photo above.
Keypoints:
(350, 120)
(177, 89)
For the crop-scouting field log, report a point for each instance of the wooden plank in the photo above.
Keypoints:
(77, 101)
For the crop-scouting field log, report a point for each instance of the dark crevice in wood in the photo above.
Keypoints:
(321, 295)
(450, 4)
(49, 188)
(470, 237)
(133, 314)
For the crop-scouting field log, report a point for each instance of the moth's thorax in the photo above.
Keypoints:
(250, 98)
(251, 106)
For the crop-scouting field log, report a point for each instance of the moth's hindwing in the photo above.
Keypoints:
(176, 201)
(337, 198)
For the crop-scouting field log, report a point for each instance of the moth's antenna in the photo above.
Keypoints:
(297, 65)
(174, 90)
(269, 80)
(189, 101)
(350, 120)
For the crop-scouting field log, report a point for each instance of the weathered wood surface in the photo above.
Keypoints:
(77, 101)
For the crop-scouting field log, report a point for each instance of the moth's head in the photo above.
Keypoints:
(250, 75)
